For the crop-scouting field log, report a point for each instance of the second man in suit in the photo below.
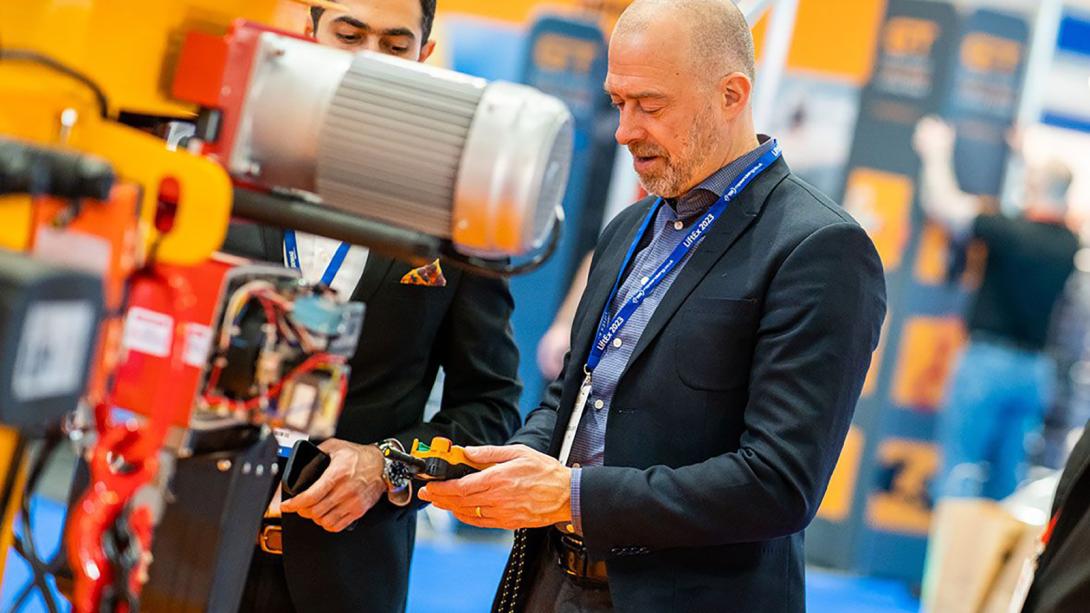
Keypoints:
(414, 325)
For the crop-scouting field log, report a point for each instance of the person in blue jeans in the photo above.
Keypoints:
(1004, 380)
(996, 401)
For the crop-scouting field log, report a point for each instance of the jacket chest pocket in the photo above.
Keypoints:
(713, 342)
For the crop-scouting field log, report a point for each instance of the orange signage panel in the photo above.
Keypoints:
(837, 504)
(929, 349)
(901, 502)
(882, 202)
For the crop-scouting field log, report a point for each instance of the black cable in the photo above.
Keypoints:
(25, 545)
(23, 55)
(11, 477)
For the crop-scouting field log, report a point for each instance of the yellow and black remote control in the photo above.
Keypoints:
(439, 461)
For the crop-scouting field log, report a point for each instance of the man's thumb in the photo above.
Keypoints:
(493, 454)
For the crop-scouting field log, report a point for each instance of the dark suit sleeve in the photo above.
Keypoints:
(1062, 582)
(819, 326)
(477, 351)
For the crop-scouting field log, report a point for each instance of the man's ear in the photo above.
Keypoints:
(426, 51)
(734, 91)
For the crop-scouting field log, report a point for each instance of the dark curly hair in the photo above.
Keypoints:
(427, 17)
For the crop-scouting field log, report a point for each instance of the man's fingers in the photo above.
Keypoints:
(312, 495)
(345, 522)
(339, 519)
(472, 484)
(457, 502)
(491, 454)
(485, 499)
(481, 522)
(337, 498)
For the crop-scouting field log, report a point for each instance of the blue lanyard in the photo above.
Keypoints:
(608, 329)
(291, 251)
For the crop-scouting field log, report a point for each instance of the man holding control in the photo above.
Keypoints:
(716, 358)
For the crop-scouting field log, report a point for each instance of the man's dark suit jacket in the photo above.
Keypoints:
(1062, 582)
(731, 413)
(409, 331)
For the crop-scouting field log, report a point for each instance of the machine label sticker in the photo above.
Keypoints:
(148, 332)
(51, 359)
(303, 402)
(71, 248)
(198, 343)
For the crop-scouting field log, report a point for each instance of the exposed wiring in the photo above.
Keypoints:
(276, 310)
(315, 363)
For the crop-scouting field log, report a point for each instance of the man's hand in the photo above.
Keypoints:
(551, 350)
(933, 138)
(346, 490)
(525, 489)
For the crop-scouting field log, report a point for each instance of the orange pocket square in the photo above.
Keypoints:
(430, 276)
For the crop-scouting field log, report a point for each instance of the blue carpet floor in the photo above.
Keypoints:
(460, 577)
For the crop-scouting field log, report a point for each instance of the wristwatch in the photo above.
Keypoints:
(399, 482)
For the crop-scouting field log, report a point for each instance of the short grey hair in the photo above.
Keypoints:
(720, 37)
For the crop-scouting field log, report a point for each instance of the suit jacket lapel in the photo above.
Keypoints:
(586, 322)
(272, 243)
(373, 273)
(738, 216)
(599, 286)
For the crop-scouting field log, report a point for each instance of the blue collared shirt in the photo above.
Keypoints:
(671, 226)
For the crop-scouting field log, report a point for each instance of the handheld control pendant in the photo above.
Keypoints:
(439, 461)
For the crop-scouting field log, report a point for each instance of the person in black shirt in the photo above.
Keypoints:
(1004, 381)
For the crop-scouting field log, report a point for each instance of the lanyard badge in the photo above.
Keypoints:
(291, 257)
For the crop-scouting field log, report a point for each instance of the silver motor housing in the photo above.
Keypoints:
(482, 164)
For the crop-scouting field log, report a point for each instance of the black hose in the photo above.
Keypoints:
(23, 55)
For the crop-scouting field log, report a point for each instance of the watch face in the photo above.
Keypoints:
(397, 474)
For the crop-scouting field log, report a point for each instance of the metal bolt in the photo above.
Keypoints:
(223, 465)
(260, 470)
(246, 468)
(69, 117)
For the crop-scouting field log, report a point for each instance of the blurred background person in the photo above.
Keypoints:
(556, 341)
(1004, 379)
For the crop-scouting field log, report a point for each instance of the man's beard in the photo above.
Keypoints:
(678, 173)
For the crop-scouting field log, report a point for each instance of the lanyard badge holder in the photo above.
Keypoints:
(609, 328)
(291, 256)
